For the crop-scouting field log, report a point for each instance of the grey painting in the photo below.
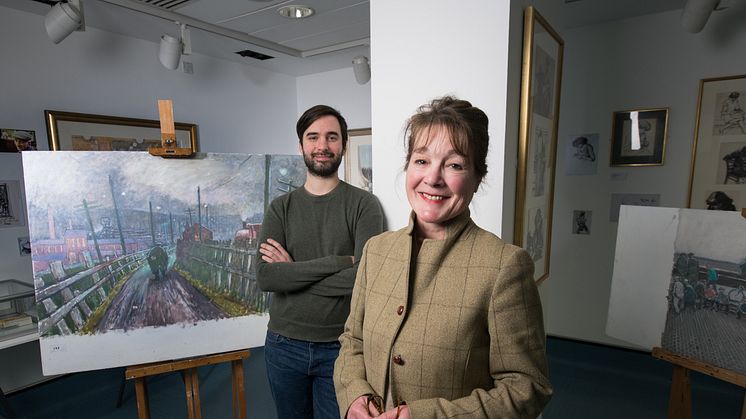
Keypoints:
(706, 317)
(139, 259)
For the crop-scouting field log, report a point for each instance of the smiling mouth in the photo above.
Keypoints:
(432, 197)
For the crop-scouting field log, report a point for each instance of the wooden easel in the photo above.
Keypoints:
(191, 382)
(680, 399)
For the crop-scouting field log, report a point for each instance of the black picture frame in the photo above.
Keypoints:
(653, 129)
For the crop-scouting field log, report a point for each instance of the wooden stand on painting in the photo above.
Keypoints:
(168, 146)
(191, 382)
(680, 398)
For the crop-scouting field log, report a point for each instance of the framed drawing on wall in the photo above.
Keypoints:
(358, 159)
(87, 132)
(537, 139)
(638, 137)
(718, 174)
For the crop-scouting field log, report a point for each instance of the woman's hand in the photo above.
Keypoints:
(361, 408)
(401, 412)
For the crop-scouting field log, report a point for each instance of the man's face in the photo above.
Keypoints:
(321, 147)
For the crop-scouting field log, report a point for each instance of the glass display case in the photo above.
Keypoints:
(17, 313)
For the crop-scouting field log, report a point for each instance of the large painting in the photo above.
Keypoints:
(679, 283)
(142, 259)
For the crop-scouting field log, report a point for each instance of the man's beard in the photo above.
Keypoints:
(323, 169)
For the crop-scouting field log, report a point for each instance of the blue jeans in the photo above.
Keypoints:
(300, 377)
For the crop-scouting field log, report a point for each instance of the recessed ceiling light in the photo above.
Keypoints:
(295, 12)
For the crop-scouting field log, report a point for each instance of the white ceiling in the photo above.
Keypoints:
(336, 24)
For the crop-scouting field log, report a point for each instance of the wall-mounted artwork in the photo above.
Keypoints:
(581, 155)
(639, 137)
(358, 159)
(17, 140)
(87, 132)
(142, 259)
(718, 177)
(581, 221)
(679, 283)
(638, 199)
(537, 148)
(11, 208)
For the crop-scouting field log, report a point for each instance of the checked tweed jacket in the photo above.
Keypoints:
(458, 334)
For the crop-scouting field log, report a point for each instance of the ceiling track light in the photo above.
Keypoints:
(361, 68)
(171, 49)
(63, 19)
(696, 13)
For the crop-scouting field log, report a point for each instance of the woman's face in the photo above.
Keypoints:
(439, 182)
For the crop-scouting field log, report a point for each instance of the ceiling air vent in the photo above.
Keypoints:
(168, 4)
(253, 54)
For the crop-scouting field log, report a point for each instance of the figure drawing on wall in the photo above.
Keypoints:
(535, 237)
(719, 200)
(583, 149)
(581, 222)
(543, 83)
(539, 161)
(735, 166)
(731, 116)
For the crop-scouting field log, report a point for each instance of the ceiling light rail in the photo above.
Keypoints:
(205, 26)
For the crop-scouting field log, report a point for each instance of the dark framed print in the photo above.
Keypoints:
(639, 137)
(718, 176)
(88, 132)
(537, 139)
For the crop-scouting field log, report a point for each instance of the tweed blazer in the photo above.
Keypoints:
(458, 333)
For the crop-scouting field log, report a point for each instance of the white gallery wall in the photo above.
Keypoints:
(421, 50)
(639, 63)
(338, 89)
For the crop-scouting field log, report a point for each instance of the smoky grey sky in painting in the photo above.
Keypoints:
(719, 235)
(229, 183)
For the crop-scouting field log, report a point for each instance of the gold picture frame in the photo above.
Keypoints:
(541, 77)
(358, 158)
(648, 148)
(89, 132)
(718, 170)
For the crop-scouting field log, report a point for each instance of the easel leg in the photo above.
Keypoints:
(239, 398)
(191, 384)
(141, 390)
(120, 396)
(680, 399)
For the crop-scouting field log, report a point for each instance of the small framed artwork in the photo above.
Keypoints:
(718, 177)
(359, 159)
(537, 139)
(639, 137)
(581, 221)
(15, 140)
(87, 132)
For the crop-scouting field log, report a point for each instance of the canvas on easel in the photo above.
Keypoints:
(679, 283)
(140, 259)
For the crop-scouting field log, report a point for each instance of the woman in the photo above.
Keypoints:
(445, 317)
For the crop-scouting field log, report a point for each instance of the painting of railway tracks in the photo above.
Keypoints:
(142, 259)
(680, 283)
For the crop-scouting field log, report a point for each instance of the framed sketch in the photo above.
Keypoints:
(718, 177)
(359, 159)
(87, 132)
(537, 142)
(581, 155)
(16, 140)
(639, 137)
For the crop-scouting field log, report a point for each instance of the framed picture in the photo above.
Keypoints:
(15, 140)
(718, 176)
(87, 132)
(359, 159)
(537, 141)
(639, 137)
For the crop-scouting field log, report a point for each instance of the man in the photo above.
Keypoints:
(311, 242)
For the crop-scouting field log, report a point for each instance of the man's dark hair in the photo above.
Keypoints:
(312, 114)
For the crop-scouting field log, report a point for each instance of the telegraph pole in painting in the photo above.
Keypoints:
(116, 216)
(199, 215)
(93, 232)
(152, 227)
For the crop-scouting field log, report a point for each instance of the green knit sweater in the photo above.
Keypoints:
(311, 295)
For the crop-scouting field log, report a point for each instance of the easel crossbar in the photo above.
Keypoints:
(145, 370)
(699, 366)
